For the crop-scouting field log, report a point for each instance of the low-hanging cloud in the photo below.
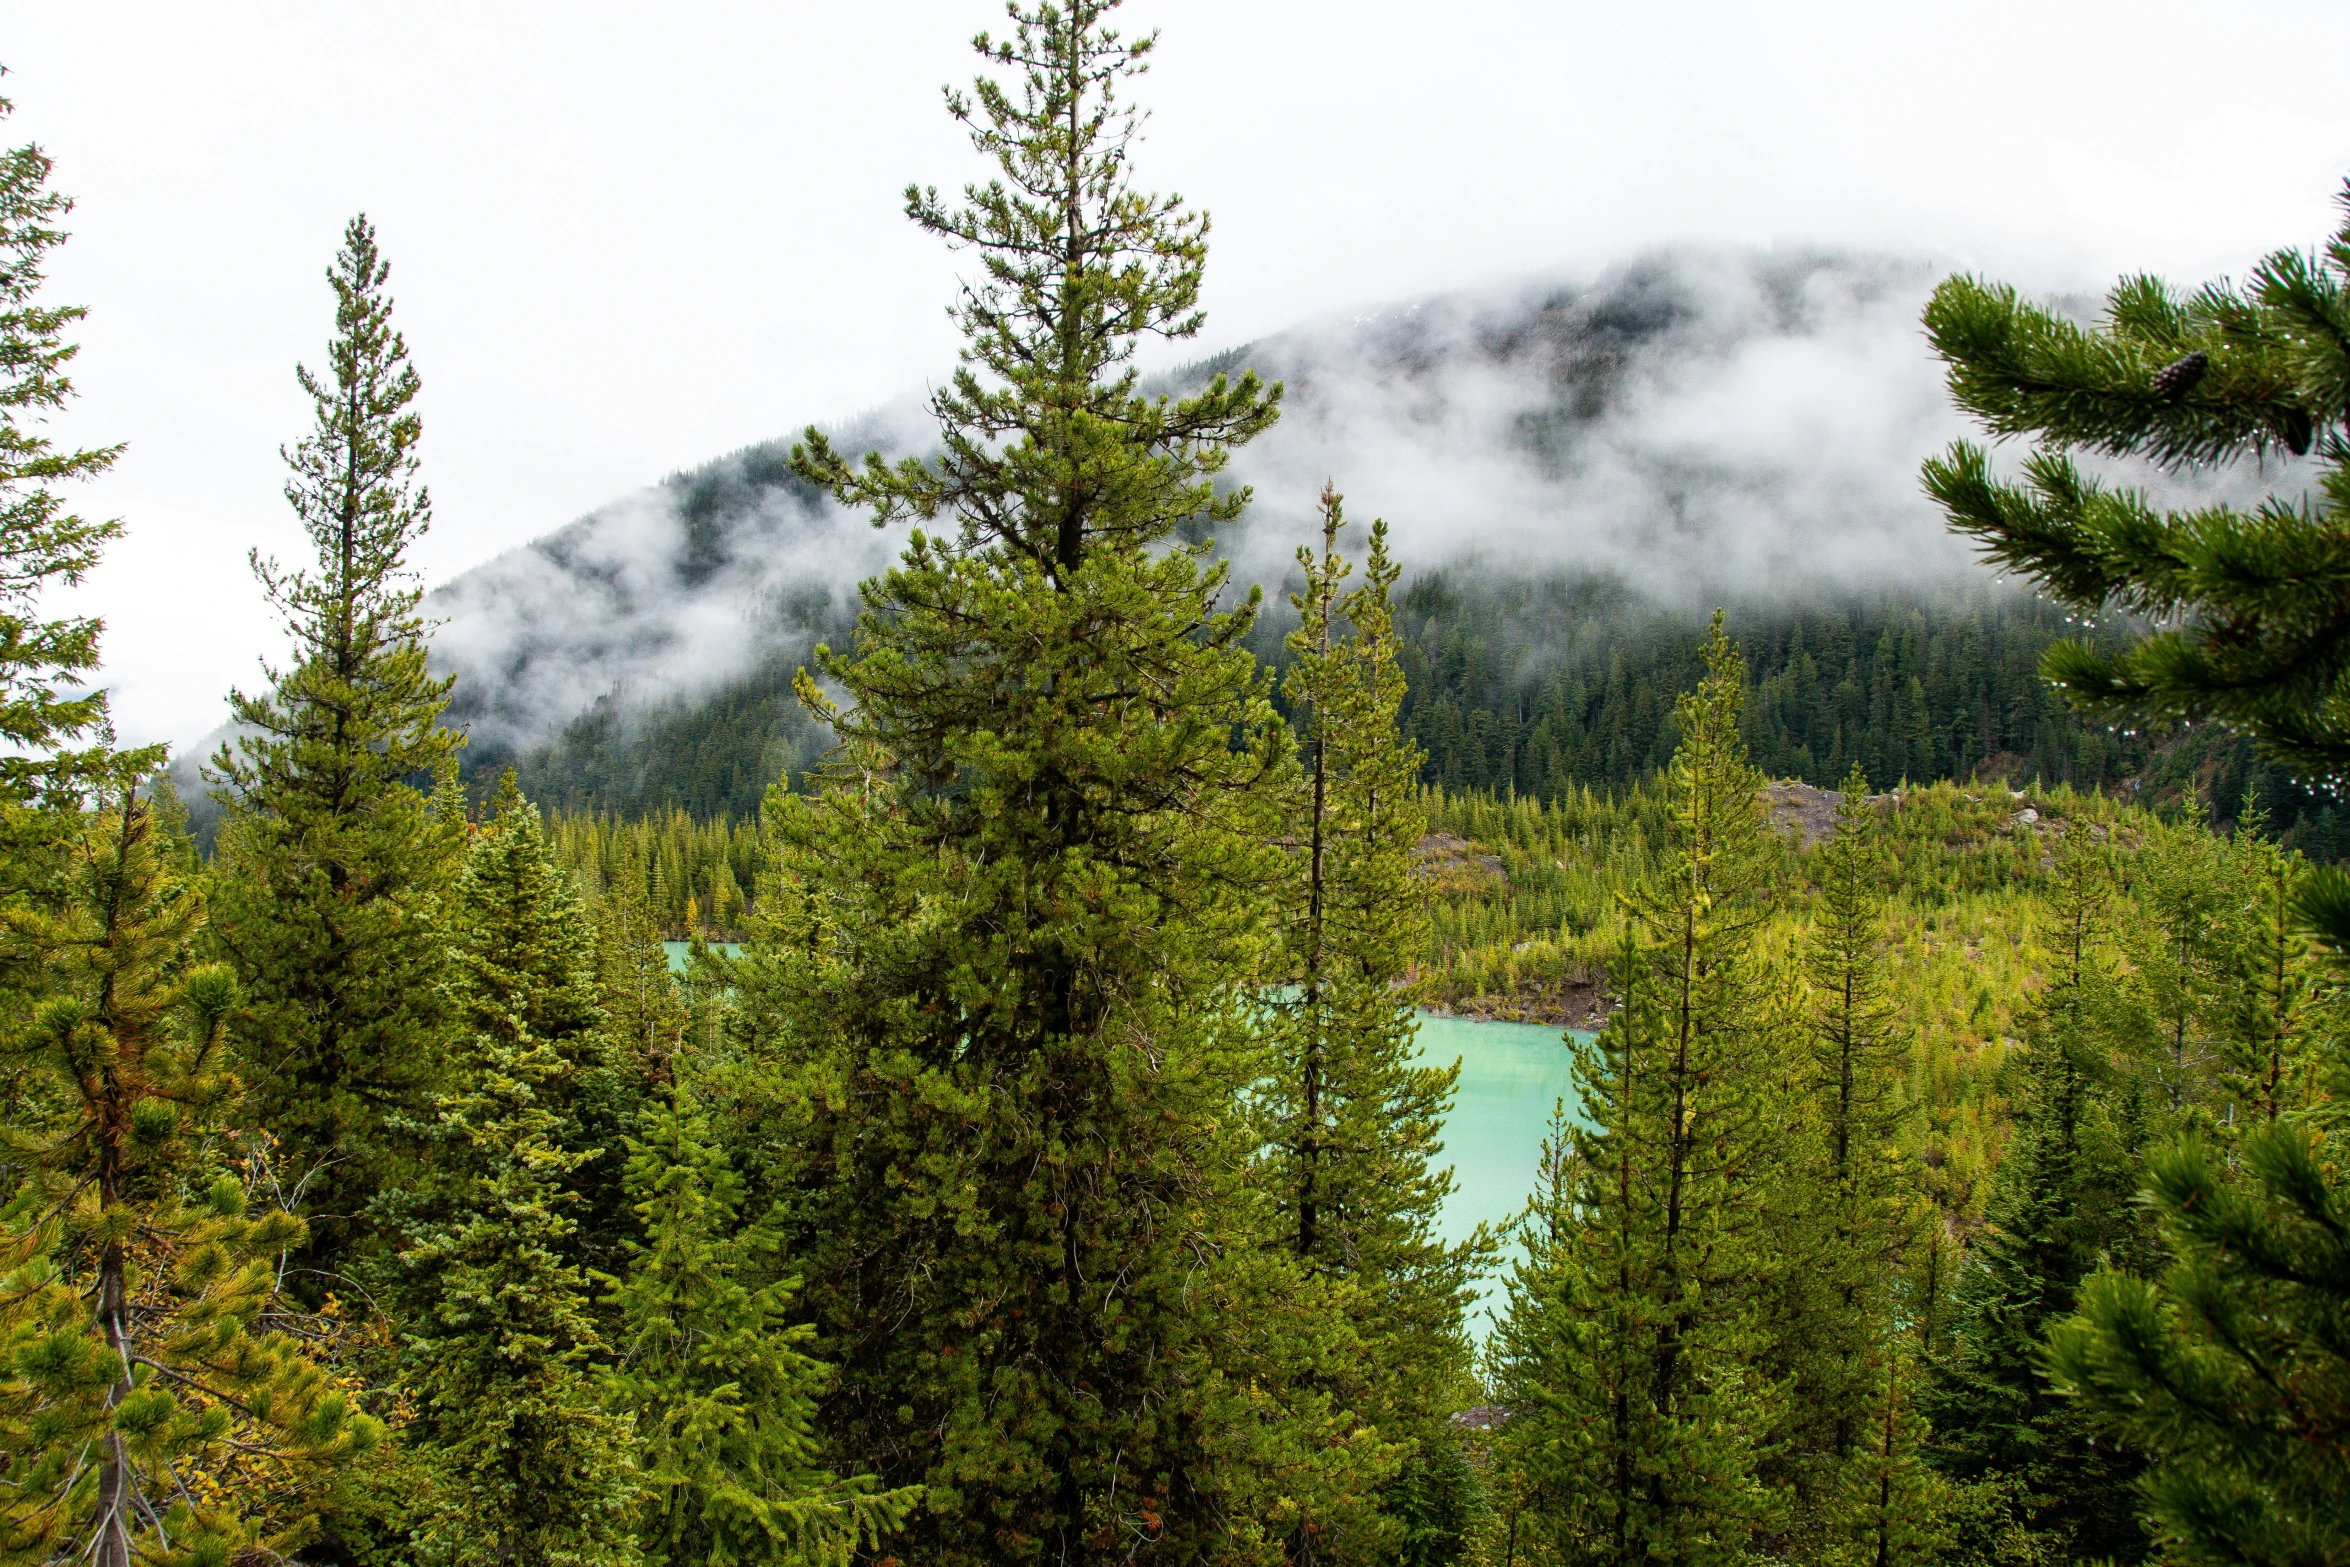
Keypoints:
(659, 596)
(1698, 426)
(1701, 427)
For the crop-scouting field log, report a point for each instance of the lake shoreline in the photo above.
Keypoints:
(1577, 1004)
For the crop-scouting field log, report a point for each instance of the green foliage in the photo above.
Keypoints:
(694, 877)
(1631, 1354)
(530, 970)
(2060, 1198)
(1006, 966)
(2231, 1369)
(2243, 598)
(54, 725)
(722, 1395)
(2226, 1370)
(1350, 1127)
(159, 1399)
(644, 1016)
(495, 1307)
(714, 755)
(500, 1336)
(1849, 1215)
(2185, 947)
(522, 963)
(332, 864)
(1541, 687)
(2267, 1051)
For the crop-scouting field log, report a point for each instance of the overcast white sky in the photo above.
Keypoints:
(628, 237)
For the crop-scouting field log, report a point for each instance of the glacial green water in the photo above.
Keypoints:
(1513, 1076)
(678, 949)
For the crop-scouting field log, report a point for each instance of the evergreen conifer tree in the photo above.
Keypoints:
(1036, 882)
(332, 862)
(159, 1400)
(644, 1016)
(1351, 1124)
(721, 1391)
(1633, 1354)
(1849, 1213)
(2231, 1371)
(53, 726)
(2060, 1196)
(2182, 954)
(2267, 1053)
(2220, 1359)
(502, 1342)
(525, 968)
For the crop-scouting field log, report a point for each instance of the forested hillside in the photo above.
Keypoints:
(1540, 687)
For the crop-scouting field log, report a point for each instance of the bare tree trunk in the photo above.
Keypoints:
(111, 1544)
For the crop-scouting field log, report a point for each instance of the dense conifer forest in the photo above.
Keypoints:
(1539, 687)
(1035, 1162)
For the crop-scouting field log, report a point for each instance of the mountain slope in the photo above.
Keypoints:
(1661, 425)
(1574, 473)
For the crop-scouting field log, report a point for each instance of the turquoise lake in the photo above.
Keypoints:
(1512, 1078)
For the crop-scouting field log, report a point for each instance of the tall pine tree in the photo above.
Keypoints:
(497, 1310)
(1849, 1215)
(2267, 1051)
(2060, 1196)
(1633, 1354)
(2183, 952)
(333, 863)
(1032, 891)
(1351, 1125)
(53, 724)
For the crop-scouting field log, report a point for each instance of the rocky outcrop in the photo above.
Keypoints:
(1810, 813)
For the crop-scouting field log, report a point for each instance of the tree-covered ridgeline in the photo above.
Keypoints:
(1543, 687)
(1539, 687)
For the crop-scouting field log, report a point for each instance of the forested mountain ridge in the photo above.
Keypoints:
(1604, 429)
(1541, 687)
(1576, 474)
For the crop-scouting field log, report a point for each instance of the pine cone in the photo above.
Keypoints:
(2296, 432)
(2175, 380)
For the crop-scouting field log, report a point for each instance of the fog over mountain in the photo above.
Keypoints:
(1698, 426)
